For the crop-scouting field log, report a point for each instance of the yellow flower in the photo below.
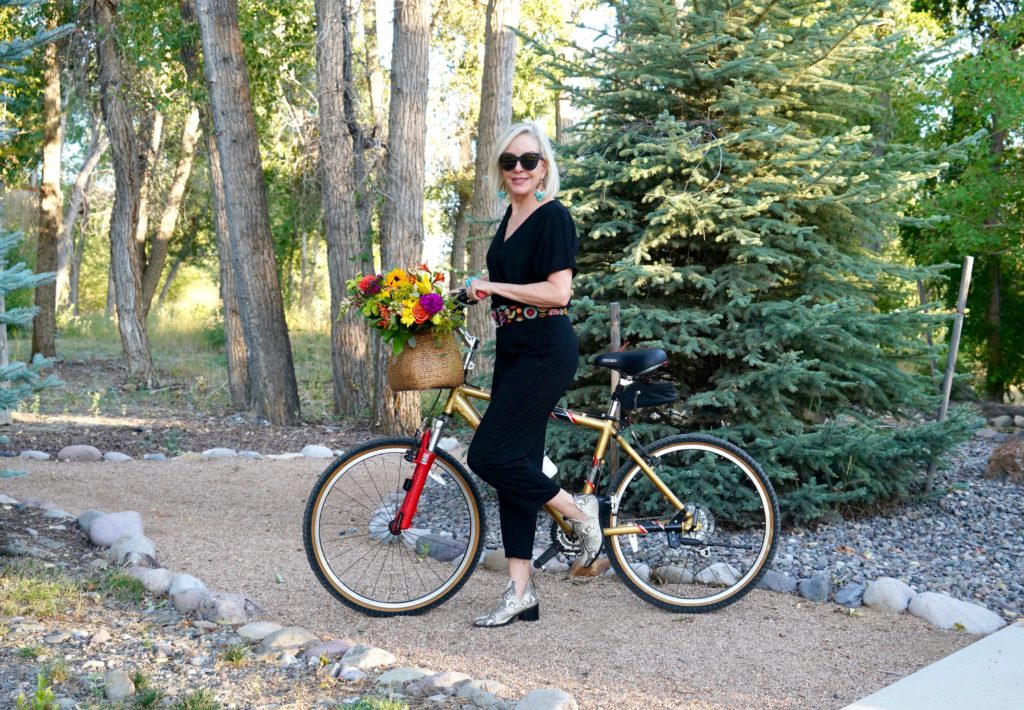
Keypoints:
(395, 277)
(407, 316)
(424, 285)
(437, 319)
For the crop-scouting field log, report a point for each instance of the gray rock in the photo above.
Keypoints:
(258, 630)
(101, 636)
(777, 582)
(58, 514)
(1018, 421)
(182, 582)
(106, 529)
(672, 574)
(1002, 422)
(553, 567)
(399, 677)
(250, 455)
(367, 658)
(131, 543)
(7, 500)
(314, 451)
(447, 683)
(228, 609)
(816, 589)
(59, 637)
(154, 457)
(118, 685)
(86, 518)
(116, 457)
(188, 600)
(156, 581)
(850, 596)
(67, 703)
(79, 453)
(220, 453)
(547, 699)
(284, 457)
(483, 693)
(331, 649)
(16, 549)
(34, 455)
(495, 561)
(351, 674)
(719, 574)
(888, 594)
(947, 613)
(290, 638)
(642, 570)
(439, 547)
(986, 434)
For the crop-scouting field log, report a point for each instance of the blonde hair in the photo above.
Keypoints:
(494, 174)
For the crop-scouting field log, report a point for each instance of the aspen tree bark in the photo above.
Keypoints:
(351, 364)
(272, 371)
(495, 117)
(124, 264)
(44, 325)
(75, 209)
(234, 338)
(172, 208)
(402, 218)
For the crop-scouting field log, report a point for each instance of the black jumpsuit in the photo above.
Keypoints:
(535, 362)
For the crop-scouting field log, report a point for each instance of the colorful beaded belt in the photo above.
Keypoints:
(511, 314)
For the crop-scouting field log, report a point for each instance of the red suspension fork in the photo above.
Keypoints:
(414, 486)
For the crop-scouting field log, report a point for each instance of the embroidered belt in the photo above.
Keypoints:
(510, 314)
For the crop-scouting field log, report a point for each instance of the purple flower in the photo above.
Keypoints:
(432, 303)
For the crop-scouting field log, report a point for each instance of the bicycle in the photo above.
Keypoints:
(691, 522)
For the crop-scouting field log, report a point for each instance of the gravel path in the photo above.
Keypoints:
(236, 524)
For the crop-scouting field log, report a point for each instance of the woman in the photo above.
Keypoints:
(530, 263)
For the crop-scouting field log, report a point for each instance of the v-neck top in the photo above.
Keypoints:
(544, 243)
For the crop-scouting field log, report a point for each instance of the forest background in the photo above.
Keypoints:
(780, 193)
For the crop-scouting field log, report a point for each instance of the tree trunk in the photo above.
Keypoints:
(272, 377)
(495, 117)
(44, 325)
(75, 209)
(151, 135)
(402, 218)
(172, 208)
(234, 339)
(5, 414)
(350, 361)
(75, 265)
(124, 216)
(995, 379)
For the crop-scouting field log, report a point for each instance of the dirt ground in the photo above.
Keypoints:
(236, 524)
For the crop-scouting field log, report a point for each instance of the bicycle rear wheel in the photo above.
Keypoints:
(356, 557)
(723, 540)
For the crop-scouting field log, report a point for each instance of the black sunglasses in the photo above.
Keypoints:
(529, 161)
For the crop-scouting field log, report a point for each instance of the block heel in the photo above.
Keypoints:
(531, 614)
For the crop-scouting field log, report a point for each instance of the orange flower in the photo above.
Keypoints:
(419, 314)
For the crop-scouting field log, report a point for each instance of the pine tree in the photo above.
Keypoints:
(724, 195)
(19, 380)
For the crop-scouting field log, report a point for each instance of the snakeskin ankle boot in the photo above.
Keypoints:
(509, 607)
(587, 531)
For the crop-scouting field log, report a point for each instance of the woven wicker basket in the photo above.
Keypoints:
(433, 364)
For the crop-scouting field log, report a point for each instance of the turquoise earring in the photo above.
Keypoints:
(502, 194)
(539, 193)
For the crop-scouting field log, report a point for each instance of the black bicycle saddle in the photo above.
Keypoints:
(632, 362)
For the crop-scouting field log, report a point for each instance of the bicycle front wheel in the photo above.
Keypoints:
(356, 557)
(711, 551)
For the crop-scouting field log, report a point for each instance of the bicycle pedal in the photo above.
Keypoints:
(545, 557)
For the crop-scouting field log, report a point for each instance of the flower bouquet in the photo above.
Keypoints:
(403, 306)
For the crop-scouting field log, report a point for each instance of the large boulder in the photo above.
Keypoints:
(135, 548)
(106, 529)
(79, 453)
(1007, 460)
(228, 609)
(888, 594)
(946, 612)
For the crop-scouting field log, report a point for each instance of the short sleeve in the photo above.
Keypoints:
(556, 244)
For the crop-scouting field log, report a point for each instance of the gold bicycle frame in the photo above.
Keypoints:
(459, 403)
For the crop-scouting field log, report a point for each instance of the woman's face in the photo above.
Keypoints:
(520, 182)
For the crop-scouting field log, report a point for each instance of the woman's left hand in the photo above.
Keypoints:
(480, 289)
